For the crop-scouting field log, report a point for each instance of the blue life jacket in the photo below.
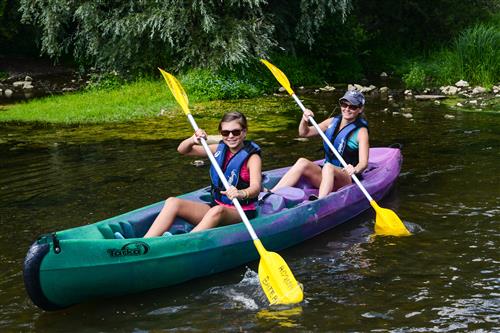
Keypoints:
(232, 170)
(351, 156)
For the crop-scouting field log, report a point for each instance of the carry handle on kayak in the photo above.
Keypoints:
(275, 276)
(386, 221)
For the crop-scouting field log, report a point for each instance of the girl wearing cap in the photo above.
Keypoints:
(240, 162)
(348, 133)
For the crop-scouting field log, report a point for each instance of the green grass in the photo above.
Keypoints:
(129, 102)
(110, 99)
(473, 56)
(478, 54)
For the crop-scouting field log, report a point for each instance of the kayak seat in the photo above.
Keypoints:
(123, 227)
(180, 226)
(270, 204)
(142, 220)
(106, 231)
(311, 191)
(127, 229)
(269, 181)
(292, 195)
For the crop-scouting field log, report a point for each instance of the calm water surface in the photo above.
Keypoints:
(445, 278)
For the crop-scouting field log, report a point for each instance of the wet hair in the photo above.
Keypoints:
(234, 115)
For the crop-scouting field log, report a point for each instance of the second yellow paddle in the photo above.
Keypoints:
(386, 221)
(275, 276)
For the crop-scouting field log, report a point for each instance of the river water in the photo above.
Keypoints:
(444, 278)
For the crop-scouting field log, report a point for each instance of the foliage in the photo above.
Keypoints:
(478, 54)
(399, 30)
(415, 78)
(473, 56)
(339, 51)
(207, 84)
(312, 40)
(299, 70)
(315, 14)
(141, 35)
(105, 81)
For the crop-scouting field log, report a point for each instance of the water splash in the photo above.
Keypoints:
(246, 294)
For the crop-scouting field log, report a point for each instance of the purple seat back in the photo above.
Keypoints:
(292, 195)
(271, 204)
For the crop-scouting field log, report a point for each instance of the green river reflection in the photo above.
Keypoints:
(445, 278)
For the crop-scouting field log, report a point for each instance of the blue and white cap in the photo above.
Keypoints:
(354, 97)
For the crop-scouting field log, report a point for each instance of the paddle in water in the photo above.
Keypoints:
(386, 221)
(275, 276)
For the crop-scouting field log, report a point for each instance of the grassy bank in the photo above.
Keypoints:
(130, 101)
(473, 56)
(108, 98)
(113, 100)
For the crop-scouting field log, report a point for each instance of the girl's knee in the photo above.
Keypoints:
(215, 212)
(328, 167)
(211, 219)
(172, 203)
(302, 162)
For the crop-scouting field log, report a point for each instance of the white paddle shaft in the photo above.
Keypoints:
(236, 203)
(332, 148)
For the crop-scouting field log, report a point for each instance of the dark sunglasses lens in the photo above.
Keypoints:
(226, 133)
(350, 106)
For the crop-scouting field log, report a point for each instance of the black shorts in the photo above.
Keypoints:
(251, 213)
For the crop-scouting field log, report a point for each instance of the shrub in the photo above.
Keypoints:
(104, 81)
(416, 78)
(207, 84)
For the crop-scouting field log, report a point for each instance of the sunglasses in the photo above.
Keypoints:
(235, 132)
(349, 106)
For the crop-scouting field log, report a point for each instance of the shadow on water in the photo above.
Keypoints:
(441, 279)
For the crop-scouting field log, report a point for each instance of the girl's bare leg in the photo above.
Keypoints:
(333, 179)
(303, 167)
(342, 178)
(218, 215)
(327, 180)
(192, 212)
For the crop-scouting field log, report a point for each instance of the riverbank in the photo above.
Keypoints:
(71, 99)
(150, 98)
(128, 102)
(23, 79)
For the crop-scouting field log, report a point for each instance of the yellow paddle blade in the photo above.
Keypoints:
(177, 90)
(277, 279)
(388, 223)
(279, 75)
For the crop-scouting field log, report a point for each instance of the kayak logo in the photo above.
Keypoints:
(232, 177)
(130, 249)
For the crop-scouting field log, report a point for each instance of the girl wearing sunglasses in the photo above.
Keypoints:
(241, 163)
(348, 133)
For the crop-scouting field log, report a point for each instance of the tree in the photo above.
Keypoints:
(140, 35)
